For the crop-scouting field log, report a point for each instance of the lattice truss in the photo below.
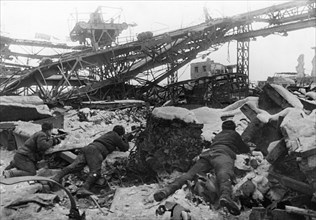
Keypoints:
(140, 66)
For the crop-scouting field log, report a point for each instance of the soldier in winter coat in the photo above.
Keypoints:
(220, 157)
(26, 157)
(93, 156)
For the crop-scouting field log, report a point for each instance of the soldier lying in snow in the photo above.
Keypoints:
(93, 156)
(221, 157)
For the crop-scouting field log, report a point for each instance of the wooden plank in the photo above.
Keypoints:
(112, 105)
(68, 156)
(293, 184)
(308, 105)
(66, 147)
(250, 113)
(278, 150)
(117, 199)
(300, 211)
(308, 153)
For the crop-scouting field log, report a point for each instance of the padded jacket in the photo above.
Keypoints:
(229, 141)
(108, 142)
(35, 147)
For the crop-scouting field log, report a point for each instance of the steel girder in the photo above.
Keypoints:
(133, 60)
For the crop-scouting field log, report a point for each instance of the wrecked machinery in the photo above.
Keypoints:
(137, 69)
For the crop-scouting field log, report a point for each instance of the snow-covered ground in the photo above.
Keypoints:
(136, 202)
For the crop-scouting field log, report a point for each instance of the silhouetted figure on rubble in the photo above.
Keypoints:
(93, 156)
(221, 157)
(26, 157)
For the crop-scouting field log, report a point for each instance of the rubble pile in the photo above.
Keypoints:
(252, 182)
(280, 171)
(285, 132)
(80, 133)
(98, 122)
(114, 169)
(171, 140)
(278, 175)
(307, 95)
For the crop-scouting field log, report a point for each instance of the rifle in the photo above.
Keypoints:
(134, 130)
(131, 135)
(61, 134)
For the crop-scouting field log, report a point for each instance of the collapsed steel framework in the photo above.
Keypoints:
(135, 69)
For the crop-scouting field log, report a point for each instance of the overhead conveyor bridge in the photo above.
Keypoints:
(147, 62)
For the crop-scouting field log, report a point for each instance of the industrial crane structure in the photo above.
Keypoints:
(136, 69)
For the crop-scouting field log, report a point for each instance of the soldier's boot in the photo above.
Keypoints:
(6, 174)
(58, 177)
(162, 194)
(85, 189)
(226, 201)
(10, 166)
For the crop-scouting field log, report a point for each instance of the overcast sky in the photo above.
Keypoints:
(22, 19)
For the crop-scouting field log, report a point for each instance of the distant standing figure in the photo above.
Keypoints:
(26, 157)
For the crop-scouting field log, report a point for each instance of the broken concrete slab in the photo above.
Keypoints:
(308, 105)
(286, 98)
(277, 103)
(275, 98)
(25, 108)
(308, 166)
(23, 112)
(299, 130)
(311, 95)
(32, 100)
(262, 134)
(276, 149)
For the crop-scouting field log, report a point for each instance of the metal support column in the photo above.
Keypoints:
(243, 53)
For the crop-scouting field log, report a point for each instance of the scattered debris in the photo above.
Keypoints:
(278, 176)
(171, 140)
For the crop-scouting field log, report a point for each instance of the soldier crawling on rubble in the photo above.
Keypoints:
(221, 157)
(93, 156)
(26, 157)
